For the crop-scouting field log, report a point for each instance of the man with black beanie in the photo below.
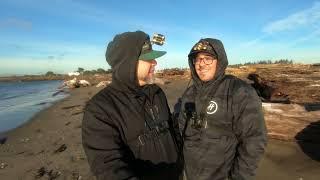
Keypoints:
(127, 130)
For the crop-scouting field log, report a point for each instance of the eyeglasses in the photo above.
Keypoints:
(206, 59)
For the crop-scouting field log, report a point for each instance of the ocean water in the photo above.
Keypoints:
(20, 101)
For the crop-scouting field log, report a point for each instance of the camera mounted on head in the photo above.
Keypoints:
(158, 39)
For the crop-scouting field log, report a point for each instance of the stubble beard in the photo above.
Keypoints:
(150, 79)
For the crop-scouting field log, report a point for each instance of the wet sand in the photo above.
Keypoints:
(49, 145)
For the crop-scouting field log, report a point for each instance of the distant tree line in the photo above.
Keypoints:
(84, 72)
(97, 71)
(281, 61)
(174, 71)
(50, 73)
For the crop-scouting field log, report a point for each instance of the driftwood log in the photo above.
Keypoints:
(267, 91)
(291, 122)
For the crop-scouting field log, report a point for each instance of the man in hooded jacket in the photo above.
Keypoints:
(220, 119)
(127, 130)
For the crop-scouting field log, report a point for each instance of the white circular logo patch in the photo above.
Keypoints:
(212, 107)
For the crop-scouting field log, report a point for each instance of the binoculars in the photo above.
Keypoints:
(198, 122)
(162, 127)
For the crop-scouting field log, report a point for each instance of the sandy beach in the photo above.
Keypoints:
(49, 145)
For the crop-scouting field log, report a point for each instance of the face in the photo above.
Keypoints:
(145, 71)
(205, 65)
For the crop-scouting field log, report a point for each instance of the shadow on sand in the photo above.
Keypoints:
(309, 140)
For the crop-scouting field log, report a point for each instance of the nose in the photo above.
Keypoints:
(154, 62)
(202, 63)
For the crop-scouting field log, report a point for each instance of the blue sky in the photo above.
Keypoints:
(37, 36)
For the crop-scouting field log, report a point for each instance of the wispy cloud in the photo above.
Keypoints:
(50, 57)
(106, 16)
(306, 21)
(56, 57)
(59, 52)
(16, 23)
(313, 35)
(28, 65)
(253, 42)
(306, 17)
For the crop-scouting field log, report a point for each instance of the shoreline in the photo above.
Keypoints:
(51, 141)
(42, 112)
(31, 78)
(37, 143)
(34, 104)
(34, 117)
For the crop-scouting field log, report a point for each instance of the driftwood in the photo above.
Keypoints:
(291, 122)
(75, 83)
(84, 83)
(267, 91)
(71, 107)
(62, 148)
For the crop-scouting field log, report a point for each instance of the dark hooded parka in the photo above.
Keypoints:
(127, 130)
(231, 137)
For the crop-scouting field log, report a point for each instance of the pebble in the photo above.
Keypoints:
(3, 165)
(25, 140)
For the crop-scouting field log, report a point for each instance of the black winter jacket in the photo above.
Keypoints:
(116, 133)
(233, 136)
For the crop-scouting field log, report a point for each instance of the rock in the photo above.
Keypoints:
(25, 140)
(3, 165)
(103, 83)
(3, 140)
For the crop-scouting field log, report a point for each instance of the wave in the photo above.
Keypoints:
(11, 97)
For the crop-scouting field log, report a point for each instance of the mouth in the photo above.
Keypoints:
(203, 71)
